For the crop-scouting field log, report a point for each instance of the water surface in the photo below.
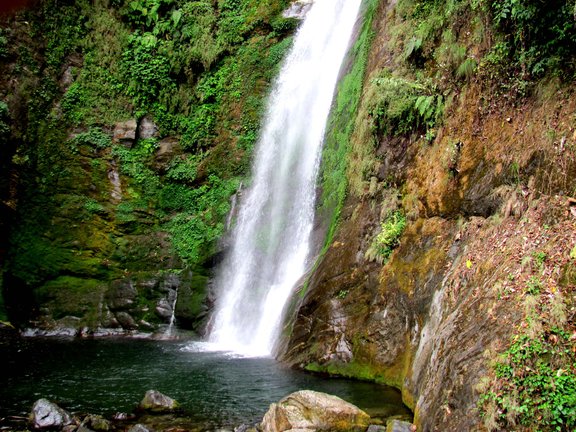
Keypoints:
(105, 376)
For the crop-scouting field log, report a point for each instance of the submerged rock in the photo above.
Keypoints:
(140, 428)
(311, 410)
(157, 402)
(46, 414)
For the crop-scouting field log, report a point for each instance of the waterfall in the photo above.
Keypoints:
(271, 239)
(170, 328)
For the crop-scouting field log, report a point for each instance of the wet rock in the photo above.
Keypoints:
(298, 9)
(307, 409)
(157, 402)
(97, 423)
(121, 416)
(121, 294)
(46, 414)
(376, 428)
(164, 309)
(140, 428)
(125, 132)
(399, 426)
(168, 148)
(126, 320)
(147, 129)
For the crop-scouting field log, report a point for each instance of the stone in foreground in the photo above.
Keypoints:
(157, 402)
(46, 414)
(310, 410)
(400, 426)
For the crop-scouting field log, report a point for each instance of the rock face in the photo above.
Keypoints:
(46, 414)
(310, 410)
(125, 132)
(147, 129)
(157, 402)
(452, 293)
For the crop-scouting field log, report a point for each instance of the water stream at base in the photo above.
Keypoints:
(271, 238)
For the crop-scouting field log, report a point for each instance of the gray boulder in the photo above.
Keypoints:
(157, 402)
(46, 414)
(147, 129)
(140, 428)
(400, 426)
(311, 410)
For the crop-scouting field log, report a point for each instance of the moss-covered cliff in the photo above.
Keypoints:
(463, 139)
(126, 128)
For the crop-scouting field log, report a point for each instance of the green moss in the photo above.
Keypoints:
(191, 298)
(341, 122)
(360, 371)
(199, 69)
(72, 296)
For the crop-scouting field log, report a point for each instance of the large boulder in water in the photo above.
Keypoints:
(157, 402)
(46, 414)
(310, 410)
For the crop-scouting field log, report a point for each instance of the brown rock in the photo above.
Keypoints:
(125, 132)
(310, 410)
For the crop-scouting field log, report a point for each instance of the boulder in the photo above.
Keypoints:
(125, 132)
(311, 410)
(157, 402)
(147, 129)
(126, 320)
(140, 428)
(97, 423)
(400, 426)
(168, 149)
(46, 414)
(121, 294)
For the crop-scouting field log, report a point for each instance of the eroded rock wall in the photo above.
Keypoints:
(492, 190)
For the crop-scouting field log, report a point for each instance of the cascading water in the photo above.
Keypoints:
(271, 238)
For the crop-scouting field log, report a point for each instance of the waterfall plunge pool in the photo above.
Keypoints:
(105, 376)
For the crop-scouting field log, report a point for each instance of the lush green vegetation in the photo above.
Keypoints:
(534, 380)
(387, 239)
(333, 175)
(198, 69)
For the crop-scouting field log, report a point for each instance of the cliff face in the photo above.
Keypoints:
(126, 129)
(487, 253)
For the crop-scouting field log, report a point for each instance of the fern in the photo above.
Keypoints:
(467, 68)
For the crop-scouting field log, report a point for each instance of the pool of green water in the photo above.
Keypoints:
(105, 376)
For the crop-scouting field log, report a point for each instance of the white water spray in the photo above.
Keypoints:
(272, 236)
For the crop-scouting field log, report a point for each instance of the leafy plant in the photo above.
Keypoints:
(402, 106)
(533, 286)
(388, 239)
(94, 138)
(535, 380)
(93, 206)
(146, 68)
(4, 120)
(541, 33)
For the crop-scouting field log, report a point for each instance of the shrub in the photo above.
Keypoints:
(402, 106)
(388, 239)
